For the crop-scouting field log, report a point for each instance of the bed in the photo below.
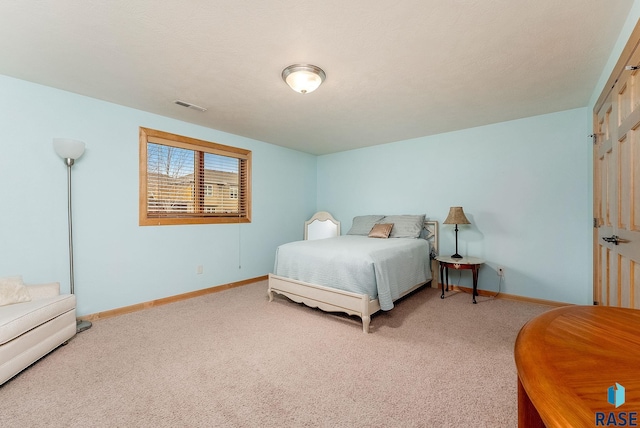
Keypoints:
(355, 273)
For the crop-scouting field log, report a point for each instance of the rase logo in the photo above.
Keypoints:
(616, 397)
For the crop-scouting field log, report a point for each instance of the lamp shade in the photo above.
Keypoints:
(456, 216)
(303, 78)
(67, 148)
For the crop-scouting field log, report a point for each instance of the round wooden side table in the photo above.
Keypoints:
(469, 263)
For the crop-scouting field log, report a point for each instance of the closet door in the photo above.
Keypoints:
(617, 185)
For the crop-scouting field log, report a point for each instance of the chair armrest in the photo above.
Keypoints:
(41, 291)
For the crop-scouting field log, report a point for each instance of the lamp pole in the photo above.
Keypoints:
(69, 163)
(456, 255)
(70, 150)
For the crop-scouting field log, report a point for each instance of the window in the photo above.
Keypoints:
(189, 181)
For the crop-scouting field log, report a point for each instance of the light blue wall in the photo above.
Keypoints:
(117, 262)
(523, 185)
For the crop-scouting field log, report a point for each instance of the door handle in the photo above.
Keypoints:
(612, 239)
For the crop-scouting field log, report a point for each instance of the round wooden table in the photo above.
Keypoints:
(573, 361)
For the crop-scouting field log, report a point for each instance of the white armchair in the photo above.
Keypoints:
(30, 330)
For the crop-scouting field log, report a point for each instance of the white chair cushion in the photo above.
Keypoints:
(19, 318)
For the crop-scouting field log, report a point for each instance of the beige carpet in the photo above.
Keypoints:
(232, 359)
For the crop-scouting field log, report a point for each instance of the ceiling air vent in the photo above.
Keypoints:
(189, 105)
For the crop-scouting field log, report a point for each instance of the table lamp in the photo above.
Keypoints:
(456, 216)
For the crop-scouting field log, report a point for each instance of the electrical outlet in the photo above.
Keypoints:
(500, 271)
(199, 269)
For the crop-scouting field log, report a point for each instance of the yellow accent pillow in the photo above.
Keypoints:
(381, 230)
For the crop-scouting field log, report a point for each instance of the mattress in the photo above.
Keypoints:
(380, 268)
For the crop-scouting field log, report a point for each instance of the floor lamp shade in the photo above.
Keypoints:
(456, 216)
(67, 148)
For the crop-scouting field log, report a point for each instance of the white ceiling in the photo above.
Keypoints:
(395, 70)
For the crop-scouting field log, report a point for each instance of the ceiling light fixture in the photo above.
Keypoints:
(303, 78)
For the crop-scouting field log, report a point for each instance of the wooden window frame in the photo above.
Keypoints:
(148, 135)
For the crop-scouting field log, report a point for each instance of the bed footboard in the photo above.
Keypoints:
(325, 298)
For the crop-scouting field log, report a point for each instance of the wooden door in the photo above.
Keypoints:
(616, 185)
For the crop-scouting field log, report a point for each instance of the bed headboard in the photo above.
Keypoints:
(321, 225)
(431, 234)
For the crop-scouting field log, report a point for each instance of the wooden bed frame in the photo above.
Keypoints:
(333, 300)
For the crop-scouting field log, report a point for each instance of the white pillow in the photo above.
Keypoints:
(405, 226)
(12, 290)
(362, 224)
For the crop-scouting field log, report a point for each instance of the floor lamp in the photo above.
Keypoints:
(70, 150)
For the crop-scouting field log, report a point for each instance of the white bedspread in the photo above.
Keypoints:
(382, 268)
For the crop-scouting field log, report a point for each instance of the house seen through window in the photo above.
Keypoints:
(189, 181)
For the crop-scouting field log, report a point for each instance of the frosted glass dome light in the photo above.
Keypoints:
(303, 78)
